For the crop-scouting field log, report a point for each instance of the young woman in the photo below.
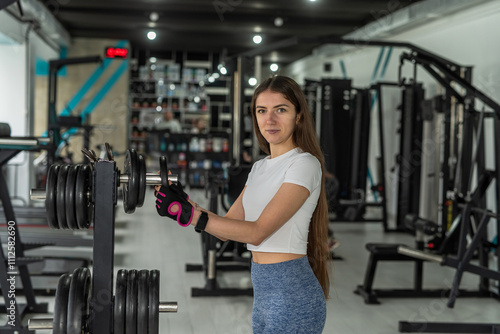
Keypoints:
(281, 214)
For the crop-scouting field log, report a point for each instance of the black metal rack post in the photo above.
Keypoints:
(104, 188)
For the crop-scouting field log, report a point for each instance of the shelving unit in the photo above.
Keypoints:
(159, 87)
(182, 85)
(192, 156)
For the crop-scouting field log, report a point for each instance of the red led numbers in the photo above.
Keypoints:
(114, 52)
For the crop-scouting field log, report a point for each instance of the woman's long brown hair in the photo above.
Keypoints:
(304, 137)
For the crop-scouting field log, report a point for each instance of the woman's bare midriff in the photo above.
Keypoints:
(267, 258)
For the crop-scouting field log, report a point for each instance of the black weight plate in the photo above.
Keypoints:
(154, 302)
(61, 305)
(142, 301)
(142, 180)
(61, 196)
(131, 188)
(131, 312)
(120, 303)
(70, 197)
(78, 302)
(50, 196)
(82, 202)
(164, 171)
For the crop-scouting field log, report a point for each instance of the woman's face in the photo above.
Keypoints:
(276, 117)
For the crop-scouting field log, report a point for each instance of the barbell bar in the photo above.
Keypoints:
(20, 141)
(151, 180)
(46, 323)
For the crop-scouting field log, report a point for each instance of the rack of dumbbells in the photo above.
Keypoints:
(76, 196)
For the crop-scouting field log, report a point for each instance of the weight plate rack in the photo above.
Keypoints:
(81, 195)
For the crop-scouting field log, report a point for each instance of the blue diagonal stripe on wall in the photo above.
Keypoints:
(90, 82)
(97, 98)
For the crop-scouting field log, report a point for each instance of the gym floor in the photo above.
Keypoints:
(146, 241)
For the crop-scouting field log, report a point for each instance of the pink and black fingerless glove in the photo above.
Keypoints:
(169, 196)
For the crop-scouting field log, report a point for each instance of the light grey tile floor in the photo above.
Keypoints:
(147, 241)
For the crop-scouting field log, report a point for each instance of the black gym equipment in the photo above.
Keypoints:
(131, 307)
(14, 264)
(90, 304)
(38, 273)
(345, 118)
(462, 222)
(410, 153)
(68, 190)
(154, 302)
(136, 304)
(55, 122)
(120, 302)
(215, 252)
(142, 302)
(78, 301)
(61, 304)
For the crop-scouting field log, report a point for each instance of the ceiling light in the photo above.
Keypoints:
(257, 39)
(274, 67)
(223, 70)
(154, 16)
(196, 99)
(252, 81)
(278, 21)
(152, 60)
(151, 35)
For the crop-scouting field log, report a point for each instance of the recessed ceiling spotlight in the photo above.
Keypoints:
(274, 67)
(154, 16)
(151, 35)
(278, 21)
(252, 81)
(223, 70)
(257, 39)
(152, 59)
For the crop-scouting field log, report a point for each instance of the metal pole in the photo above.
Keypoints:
(104, 196)
(237, 112)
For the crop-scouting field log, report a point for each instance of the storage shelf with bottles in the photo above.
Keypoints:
(193, 156)
(184, 99)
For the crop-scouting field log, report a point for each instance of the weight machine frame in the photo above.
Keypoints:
(444, 72)
(21, 262)
(55, 123)
(212, 258)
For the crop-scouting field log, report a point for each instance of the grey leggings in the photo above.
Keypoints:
(287, 298)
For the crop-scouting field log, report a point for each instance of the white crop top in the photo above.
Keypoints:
(264, 180)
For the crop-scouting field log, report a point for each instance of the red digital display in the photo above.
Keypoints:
(113, 52)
